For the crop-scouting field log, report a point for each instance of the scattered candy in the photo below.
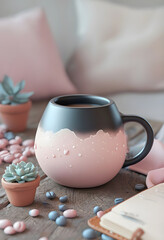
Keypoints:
(9, 230)
(61, 221)
(70, 213)
(12, 149)
(97, 209)
(105, 237)
(89, 233)
(63, 199)
(19, 226)
(53, 215)
(50, 195)
(34, 212)
(62, 207)
(100, 214)
(118, 200)
(5, 223)
(140, 187)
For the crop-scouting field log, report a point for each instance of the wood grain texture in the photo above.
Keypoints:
(83, 200)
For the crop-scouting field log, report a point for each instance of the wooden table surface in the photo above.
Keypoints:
(83, 200)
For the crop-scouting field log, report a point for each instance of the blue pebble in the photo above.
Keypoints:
(97, 209)
(53, 215)
(61, 221)
(140, 187)
(118, 200)
(50, 195)
(105, 237)
(9, 135)
(89, 233)
(63, 199)
(62, 207)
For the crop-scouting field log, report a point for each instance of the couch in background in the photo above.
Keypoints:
(67, 26)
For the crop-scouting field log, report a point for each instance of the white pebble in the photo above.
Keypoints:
(5, 223)
(34, 212)
(19, 226)
(43, 238)
(28, 142)
(9, 230)
(70, 213)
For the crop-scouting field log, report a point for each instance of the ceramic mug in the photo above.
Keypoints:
(81, 142)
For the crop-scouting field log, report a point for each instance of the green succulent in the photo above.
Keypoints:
(20, 172)
(10, 94)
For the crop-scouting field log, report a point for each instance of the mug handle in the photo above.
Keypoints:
(149, 141)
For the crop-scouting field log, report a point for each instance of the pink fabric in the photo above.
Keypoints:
(155, 177)
(154, 160)
(28, 51)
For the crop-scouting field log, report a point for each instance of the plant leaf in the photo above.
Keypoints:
(19, 100)
(7, 85)
(19, 87)
(25, 95)
(5, 102)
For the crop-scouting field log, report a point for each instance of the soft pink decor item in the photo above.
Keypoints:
(28, 51)
(120, 49)
(154, 159)
(155, 177)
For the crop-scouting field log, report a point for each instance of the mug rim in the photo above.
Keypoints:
(65, 100)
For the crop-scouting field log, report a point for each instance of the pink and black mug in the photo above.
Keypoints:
(81, 141)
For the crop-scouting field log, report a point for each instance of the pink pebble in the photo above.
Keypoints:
(70, 213)
(9, 230)
(14, 141)
(23, 158)
(4, 155)
(3, 152)
(43, 238)
(1, 135)
(19, 139)
(5, 223)
(3, 128)
(3, 143)
(9, 158)
(28, 142)
(19, 226)
(27, 153)
(100, 214)
(15, 151)
(34, 212)
(15, 147)
(17, 155)
(32, 151)
(17, 160)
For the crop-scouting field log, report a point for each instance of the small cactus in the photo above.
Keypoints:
(10, 94)
(20, 172)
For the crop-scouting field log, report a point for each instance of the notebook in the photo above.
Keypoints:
(139, 217)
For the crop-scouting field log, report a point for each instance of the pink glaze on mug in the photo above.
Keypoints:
(80, 160)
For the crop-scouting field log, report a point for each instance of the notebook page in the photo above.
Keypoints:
(144, 210)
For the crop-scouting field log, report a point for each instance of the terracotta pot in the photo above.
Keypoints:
(21, 194)
(15, 116)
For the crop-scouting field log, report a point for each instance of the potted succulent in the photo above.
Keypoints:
(20, 182)
(14, 106)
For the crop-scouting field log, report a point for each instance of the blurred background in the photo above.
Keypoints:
(112, 48)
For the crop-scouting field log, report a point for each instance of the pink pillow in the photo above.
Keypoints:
(28, 52)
